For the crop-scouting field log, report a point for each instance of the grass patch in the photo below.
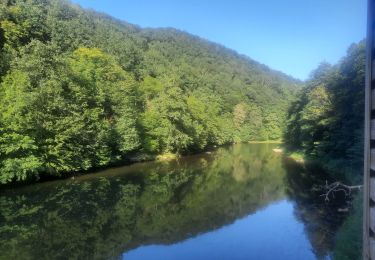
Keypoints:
(266, 142)
(298, 156)
(167, 157)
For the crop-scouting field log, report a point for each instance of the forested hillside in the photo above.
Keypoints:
(81, 90)
(327, 119)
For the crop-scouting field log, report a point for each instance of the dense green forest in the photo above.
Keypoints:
(327, 119)
(82, 90)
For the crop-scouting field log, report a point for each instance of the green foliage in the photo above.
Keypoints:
(167, 122)
(79, 90)
(326, 121)
(65, 114)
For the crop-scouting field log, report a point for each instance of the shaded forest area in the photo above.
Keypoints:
(81, 90)
(326, 121)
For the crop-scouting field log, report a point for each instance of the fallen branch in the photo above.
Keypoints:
(338, 186)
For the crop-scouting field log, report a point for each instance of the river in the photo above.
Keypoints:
(242, 201)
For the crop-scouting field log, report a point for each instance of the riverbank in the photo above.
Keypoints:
(297, 156)
(131, 159)
(266, 142)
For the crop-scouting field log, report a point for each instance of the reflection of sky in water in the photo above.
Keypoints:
(271, 233)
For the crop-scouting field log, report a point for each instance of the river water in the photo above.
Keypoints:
(242, 201)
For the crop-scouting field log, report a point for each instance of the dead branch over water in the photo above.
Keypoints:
(331, 189)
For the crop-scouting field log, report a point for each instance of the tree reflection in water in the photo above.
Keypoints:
(102, 215)
(321, 219)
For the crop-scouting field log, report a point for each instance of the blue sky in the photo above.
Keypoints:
(292, 36)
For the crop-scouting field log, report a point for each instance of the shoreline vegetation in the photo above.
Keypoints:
(266, 142)
(136, 158)
(297, 156)
(163, 157)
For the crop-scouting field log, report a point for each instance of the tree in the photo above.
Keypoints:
(166, 122)
(65, 115)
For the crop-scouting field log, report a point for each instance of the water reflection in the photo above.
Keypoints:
(101, 216)
(321, 219)
(256, 236)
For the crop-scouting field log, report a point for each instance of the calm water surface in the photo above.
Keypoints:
(238, 202)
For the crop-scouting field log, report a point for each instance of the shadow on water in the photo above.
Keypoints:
(103, 215)
(321, 218)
